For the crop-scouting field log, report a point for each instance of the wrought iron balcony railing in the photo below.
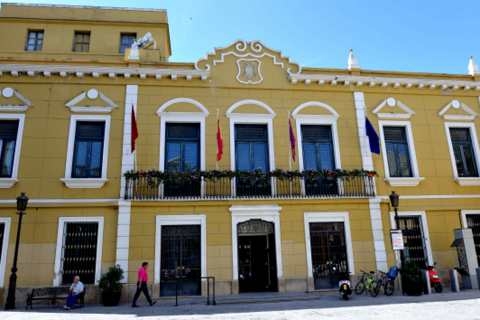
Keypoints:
(156, 185)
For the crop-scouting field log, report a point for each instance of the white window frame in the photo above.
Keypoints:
(315, 217)
(251, 118)
(269, 213)
(465, 213)
(62, 221)
(400, 181)
(86, 182)
(181, 117)
(425, 231)
(317, 120)
(5, 244)
(178, 220)
(464, 181)
(9, 182)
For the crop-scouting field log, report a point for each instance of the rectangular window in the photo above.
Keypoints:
(126, 40)
(88, 149)
(81, 41)
(79, 251)
(251, 147)
(34, 40)
(398, 153)
(8, 141)
(462, 146)
(182, 147)
(317, 144)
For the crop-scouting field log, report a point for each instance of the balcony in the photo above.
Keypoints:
(224, 185)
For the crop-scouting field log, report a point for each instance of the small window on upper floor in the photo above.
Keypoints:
(8, 141)
(398, 153)
(88, 149)
(34, 40)
(81, 41)
(126, 40)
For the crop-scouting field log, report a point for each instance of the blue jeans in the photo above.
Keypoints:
(72, 299)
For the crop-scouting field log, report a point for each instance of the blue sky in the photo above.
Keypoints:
(430, 36)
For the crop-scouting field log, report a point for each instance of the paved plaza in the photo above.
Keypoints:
(451, 306)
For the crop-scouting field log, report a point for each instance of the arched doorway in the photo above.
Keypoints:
(257, 265)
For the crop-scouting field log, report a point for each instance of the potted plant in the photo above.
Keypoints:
(111, 287)
(412, 280)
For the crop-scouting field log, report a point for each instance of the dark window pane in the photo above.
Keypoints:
(126, 40)
(182, 147)
(8, 141)
(81, 41)
(398, 153)
(88, 149)
(317, 144)
(34, 40)
(463, 151)
(251, 147)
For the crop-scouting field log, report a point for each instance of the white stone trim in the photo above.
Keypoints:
(317, 104)
(123, 237)
(392, 103)
(269, 213)
(128, 158)
(163, 108)
(9, 182)
(378, 234)
(176, 220)
(62, 221)
(182, 117)
(401, 181)
(360, 111)
(62, 201)
(464, 181)
(464, 214)
(92, 94)
(317, 120)
(263, 105)
(425, 231)
(97, 71)
(373, 80)
(9, 92)
(5, 244)
(436, 196)
(86, 182)
(312, 217)
(456, 104)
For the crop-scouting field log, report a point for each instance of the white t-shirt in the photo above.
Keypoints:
(77, 288)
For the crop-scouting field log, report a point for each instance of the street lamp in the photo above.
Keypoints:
(394, 201)
(22, 201)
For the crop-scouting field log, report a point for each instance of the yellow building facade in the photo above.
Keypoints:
(264, 217)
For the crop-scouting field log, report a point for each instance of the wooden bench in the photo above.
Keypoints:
(51, 295)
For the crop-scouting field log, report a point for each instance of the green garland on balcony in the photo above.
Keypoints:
(219, 174)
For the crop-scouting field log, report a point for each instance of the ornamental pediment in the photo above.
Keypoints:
(91, 101)
(12, 100)
(392, 108)
(457, 110)
(250, 59)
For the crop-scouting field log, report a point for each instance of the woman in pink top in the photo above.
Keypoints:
(142, 285)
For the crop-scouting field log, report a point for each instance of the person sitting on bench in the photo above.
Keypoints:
(76, 289)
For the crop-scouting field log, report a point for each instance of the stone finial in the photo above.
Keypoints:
(472, 67)
(352, 63)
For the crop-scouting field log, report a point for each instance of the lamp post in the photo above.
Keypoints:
(22, 201)
(394, 202)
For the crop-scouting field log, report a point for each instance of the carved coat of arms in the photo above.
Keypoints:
(248, 71)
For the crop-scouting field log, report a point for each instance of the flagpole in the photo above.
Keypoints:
(218, 125)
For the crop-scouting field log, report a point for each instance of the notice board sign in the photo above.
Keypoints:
(397, 239)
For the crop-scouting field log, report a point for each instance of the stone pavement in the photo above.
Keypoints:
(451, 306)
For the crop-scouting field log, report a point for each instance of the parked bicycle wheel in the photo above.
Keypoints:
(375, 288)
(360, 287)
(389, 287)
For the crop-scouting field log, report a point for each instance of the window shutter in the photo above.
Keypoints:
(316, 133)
(460, 134)
(251, 132)
(183, 131)
(395, 134)
(90, 130)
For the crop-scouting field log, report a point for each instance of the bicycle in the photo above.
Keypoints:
(367, 282)
(385, 282)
